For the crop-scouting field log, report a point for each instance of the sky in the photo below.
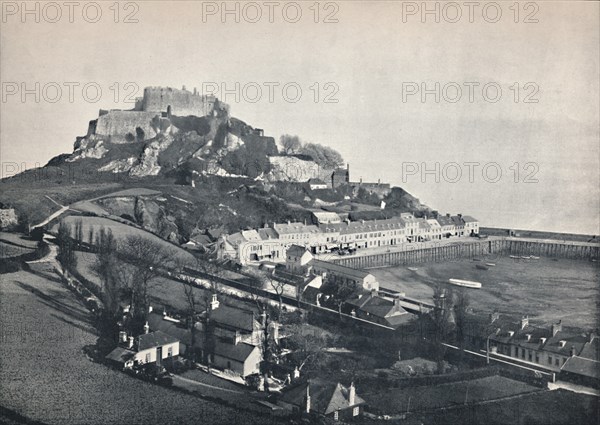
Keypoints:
(493, 113)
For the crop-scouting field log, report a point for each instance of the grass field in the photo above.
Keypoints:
(546, 290)
(121, 231)
(396, 400)
(47, 377)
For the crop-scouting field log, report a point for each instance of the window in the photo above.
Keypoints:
(549, 360)
(356, 411)
(537, 357)
(170, 351)
(556, 362)
(147, 357)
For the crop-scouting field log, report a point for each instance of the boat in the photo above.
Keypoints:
(481, 267)
(525, 257)
(490, 264)
(465, 283)
(476, 259)
(413, 269)
(516, 257)
(533, 257)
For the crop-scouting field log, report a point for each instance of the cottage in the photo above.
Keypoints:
(360, 278)
(316, 184)
(297, 259)
(151, 347)
(377, 309)
(325, 398)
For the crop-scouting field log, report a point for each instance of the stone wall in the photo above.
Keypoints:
(182, 102)
(117, 124)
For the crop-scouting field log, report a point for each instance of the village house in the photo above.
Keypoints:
(459, 225)
(342, 274)
(297, 259)
(380, 189)
(340, 177)
(150, 347)
(435, 230)
(325, 217)
(584, 369)
(329, 399)
(237, 334)
(545, 348)
(378, 309)
(447, 225)
(471, 225)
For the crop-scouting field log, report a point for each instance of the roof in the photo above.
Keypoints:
(457, 220)
(381, 307)
(339, 269)
(591, 350)
(239, 352)
(326, 216)
(158, 323)
(155, 339)
(469, 219)
(233, 317)
(571, 339)
(316, 181)
(325, 397)
(267, 233)
(296, 250)
(296, 227)
(445, 221)
(363, 226)
(120, 355)
(582, 366)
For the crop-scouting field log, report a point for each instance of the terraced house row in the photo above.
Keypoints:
(331, 233)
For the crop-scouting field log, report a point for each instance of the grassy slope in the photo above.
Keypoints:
(46, 376)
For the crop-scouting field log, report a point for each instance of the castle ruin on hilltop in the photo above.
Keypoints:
(151, 114)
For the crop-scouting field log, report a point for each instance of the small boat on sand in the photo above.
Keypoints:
(516, 257)
(525, 257)
(481, 267)
(533, 257)
(465, 283)
(413, 269)
(490, 264)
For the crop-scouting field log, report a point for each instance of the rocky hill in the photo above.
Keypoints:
(211, 169)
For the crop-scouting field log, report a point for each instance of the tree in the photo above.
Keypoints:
(278, 286)
(145, 258)
(323, 155)
(291, 144)
(66, 249)
(107, 268)
(441, 316)
(461, 305)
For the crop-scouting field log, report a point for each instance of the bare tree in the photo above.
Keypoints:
(278, 286)
(145, 260)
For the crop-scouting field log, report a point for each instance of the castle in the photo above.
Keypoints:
(151, 113)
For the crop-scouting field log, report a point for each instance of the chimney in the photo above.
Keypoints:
(214, 302)
(511, 333)
(524, 322)
(397, 302)
(307, 397)
(562, 343)
(572, 352)
(494, 316)
(528, 336)
(352, 395)
(348, 166)
(459, 215)
(195, 91)
(150, 309)
(146, 328)
(448, 215)
(183, 87)
(373, 292)
(130, 342)
(556, 327)
(591, 336)
(238, 338)
(378, 181)
(360, 181)
(122, 336)
(542, 341)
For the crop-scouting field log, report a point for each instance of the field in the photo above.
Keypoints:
(396, 400)
(14, 245)
(120, 231)
(47, 377)
(545, 290)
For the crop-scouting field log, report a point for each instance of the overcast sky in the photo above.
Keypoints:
(369, 62)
